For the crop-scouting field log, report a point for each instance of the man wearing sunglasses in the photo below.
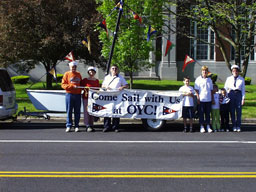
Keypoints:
(113, 81)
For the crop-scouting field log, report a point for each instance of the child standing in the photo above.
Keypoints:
(188, 104)
(216, 109)
(224, 110)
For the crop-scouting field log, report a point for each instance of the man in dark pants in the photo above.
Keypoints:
(113, 81)
(235, 87)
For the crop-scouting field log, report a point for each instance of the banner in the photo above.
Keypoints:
(135, 104)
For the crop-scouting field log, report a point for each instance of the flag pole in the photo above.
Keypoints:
(115, 36)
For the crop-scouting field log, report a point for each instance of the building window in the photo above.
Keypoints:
(202, 47)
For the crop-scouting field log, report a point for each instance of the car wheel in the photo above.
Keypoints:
(153, 124)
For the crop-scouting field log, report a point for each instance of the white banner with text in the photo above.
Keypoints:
(135, 104)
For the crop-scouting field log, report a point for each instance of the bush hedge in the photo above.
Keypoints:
(247, 80)
(59, 77)
(21, 79)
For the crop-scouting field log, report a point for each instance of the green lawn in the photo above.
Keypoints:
(248, 108)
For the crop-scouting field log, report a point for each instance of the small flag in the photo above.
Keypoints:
(87, 42)
(53, 73)
(151, 31)
(103, 25)
(187, 61)
(119, 5)
(136, 16)
(96, 107)
(167, 110)
(169, 46)
(70, 57)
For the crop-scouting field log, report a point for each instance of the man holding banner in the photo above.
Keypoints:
(113, 81)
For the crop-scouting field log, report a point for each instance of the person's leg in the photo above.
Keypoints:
(226, 117)
(77, 109)
(115, 123)
(86, 115)
(201, 113)
(232, 109)
(217, 119)
(238, 110)
(208, 107)
(214, 127)
(69, 108)
(107, 124)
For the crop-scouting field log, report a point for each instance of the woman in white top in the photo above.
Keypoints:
(204, 93)
(235, 87)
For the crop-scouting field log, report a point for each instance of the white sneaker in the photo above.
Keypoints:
(76, 129)
(209, 130)
(202, 130)
(67, 129)
(238, 129)
(234, 129)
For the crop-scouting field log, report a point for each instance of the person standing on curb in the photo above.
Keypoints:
(204, 93)
(91, 81)
(235, 87)
(70, 82)
(111, 82)
(188, 104)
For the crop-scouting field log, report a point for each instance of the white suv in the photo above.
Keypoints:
(8, 105)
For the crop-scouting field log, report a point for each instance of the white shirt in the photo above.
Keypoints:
(216, 97)
(114, 82)
(188, 101)
(240, 84)
(204, 87)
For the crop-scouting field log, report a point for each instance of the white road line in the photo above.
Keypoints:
(127, 142)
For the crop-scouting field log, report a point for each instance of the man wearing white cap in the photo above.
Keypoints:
(70, 82)
(235, 87)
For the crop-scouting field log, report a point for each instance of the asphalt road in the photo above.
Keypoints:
(40, 156)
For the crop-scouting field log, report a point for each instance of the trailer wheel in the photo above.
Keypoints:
(153, 124)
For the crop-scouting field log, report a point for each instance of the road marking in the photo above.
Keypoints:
(42, 174)
(138, 142)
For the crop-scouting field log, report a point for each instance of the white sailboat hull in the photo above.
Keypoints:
(48, 100)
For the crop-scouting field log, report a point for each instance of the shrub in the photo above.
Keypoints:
(247, 80)
(59, 77)
(214, 77)
(21, 79)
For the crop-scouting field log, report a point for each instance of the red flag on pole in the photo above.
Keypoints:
(187, 61)
(168, 46)
(70, 57)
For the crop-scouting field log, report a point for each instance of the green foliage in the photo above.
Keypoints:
(22, 79)
(213, 77)
(33, 32)
(59, 77)
(247, 80)
(233, 23)
(131, 52)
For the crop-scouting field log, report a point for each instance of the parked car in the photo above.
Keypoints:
(8, 105)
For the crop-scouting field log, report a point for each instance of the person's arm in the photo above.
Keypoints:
(124, 87)
(65, 83)
(243, 92)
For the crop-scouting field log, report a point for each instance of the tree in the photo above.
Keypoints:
(233, 23)
(45, 31)
(132, 49)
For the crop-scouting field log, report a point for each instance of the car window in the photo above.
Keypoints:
(5, 81)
